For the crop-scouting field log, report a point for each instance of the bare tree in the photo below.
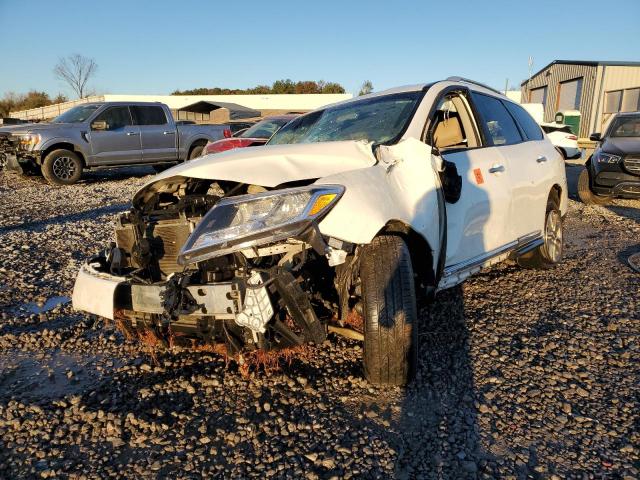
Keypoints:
(76, 71)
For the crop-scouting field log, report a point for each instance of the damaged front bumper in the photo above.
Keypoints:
(236, 312)
(103, 294)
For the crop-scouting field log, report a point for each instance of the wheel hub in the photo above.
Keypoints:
(553, 236)
(64, 168)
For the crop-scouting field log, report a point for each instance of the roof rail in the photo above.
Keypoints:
(466, 80)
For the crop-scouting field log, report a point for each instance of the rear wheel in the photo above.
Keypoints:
(585, 193)
(62, 167)
(196, 152)
(390, 313)
(550, 253)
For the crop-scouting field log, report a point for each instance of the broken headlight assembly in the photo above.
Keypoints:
(246, 221)
(28, 142)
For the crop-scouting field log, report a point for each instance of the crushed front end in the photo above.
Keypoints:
(202, 262)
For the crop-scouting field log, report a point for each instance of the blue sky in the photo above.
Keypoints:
(159, 46)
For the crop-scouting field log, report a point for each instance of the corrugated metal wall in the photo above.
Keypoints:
(552, 77)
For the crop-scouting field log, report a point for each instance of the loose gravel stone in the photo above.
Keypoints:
(522, 374)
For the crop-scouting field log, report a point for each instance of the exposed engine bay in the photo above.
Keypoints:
(267, 296)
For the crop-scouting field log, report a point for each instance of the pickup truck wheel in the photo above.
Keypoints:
(390, 313)
(62, 167)
(550, 253)
(585, 193)
(196, 152)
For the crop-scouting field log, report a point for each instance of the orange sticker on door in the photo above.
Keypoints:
(478, 173)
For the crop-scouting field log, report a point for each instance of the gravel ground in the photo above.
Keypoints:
(523, 374)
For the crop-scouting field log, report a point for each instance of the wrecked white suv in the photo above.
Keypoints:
(335, 225)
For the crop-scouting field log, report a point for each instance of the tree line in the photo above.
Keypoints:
(285, 86)
(13, 102)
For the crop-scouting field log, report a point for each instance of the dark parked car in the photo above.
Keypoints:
(614, 168)
(239, 127)
(257, 135)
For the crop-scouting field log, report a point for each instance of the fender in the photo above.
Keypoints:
(53, 141)
(403, 186)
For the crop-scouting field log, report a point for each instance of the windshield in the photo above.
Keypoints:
(264, 129)
(626, 127)
(378, 120)
(76, 114)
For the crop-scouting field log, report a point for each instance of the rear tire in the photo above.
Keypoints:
(584, 191)
(62, 167)
(390, 313)
(196, 152)
(550, 253)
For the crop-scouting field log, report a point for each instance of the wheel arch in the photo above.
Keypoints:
(419, 249)
(62, 146)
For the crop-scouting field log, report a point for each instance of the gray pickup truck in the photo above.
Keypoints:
(107, 134)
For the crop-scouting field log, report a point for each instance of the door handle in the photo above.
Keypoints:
(130, 134)
(497, 168)
(168, 133)
(541, 159)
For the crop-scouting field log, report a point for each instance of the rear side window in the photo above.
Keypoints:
(148, 116)
(497, 121)
(527, 123)
(115, 117)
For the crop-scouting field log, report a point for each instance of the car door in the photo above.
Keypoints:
(113, 138)
(477, 221)
(158, 136)
(532, 174)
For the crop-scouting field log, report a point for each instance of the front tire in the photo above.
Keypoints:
(584, 191)
(390, 313)
(550, 253)
(62, 167)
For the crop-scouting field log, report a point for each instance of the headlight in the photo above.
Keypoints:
(607, 158)
(27, 142)
(249, 220)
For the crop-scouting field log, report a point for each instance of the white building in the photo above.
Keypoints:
(266, 104)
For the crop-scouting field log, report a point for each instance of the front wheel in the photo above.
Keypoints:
(585, 193)
(390, 313)
(62, 167)
(550, 253)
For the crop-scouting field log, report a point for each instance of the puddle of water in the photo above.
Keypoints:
(50, 304)
(50, 376)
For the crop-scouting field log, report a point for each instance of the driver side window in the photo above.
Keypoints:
(115, 117)
(451, 126)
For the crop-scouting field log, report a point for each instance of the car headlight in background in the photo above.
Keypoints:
(603, 157)
(249, 220)
(27, 142)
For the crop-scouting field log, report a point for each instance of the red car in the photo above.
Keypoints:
(253, 136)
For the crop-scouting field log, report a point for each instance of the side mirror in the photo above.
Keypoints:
(595, 137)
(99, 125)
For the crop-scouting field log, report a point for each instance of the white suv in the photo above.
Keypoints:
(334, 225)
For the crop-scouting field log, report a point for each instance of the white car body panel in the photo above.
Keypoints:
(478, 222)
(561, 140)
(403, 187)
(269, 165)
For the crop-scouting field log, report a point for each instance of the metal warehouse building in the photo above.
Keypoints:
(203, 108)
(595, 89)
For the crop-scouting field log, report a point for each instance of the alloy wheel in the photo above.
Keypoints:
(553, 236)
(64, 168)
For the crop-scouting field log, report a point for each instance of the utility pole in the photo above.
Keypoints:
(506, 86)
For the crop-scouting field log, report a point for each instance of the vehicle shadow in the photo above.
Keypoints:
(116, 173)
(438, 424)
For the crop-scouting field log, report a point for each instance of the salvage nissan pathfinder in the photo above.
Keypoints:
(335, 225)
